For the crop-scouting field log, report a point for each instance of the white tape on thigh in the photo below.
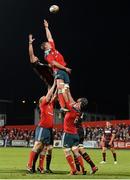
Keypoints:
(62, 83)
(59, 91)
(66, 86)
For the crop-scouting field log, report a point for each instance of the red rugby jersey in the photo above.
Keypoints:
(69, 125)
(54, 55)
(47, 114)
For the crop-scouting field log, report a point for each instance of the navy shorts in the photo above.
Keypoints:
(106, 145)
(70, 140)
(61, 74)
(43, 135)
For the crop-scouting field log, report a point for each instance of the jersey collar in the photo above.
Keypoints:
(46, 52)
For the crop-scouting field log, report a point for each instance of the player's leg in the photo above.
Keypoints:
(103, 155)
(70, 160)
(75, 149)
(61, 94)
(76, 162)
(87, 158)
(49, 152)
(67, 144)
(114, 154)
(79, 158)
(42, 154)
(33, 156)
(48, 159)
(62, 78)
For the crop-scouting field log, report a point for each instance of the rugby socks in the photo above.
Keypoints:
(48, 161)
(61, 100)
(31, 158)
(87, 158)
(80, 160)
(41, 161)
(34, 161)
(114, 156)
(71, 163)
(104, 156)
(77, 163)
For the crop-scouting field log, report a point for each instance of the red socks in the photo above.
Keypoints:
(61, 100)
(80, 160)
(41, 161)
(71, 163)
(31, 158)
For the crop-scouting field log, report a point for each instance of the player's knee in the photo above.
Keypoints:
(103, 150)
(75, 149)
(44, 150)
(67, 151)
(82, 150)
(37, 146)
(49, 149)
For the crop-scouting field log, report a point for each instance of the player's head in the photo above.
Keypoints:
(45, 46)
(41, 98)
(108, 124)
(83, 103)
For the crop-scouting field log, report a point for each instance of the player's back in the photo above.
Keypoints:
(47, 114)
(69, 125)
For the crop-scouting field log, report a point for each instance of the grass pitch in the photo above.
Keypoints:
(13, 165)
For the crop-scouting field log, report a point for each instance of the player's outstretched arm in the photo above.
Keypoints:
(50, 92)
(48, 33)
(33, 58)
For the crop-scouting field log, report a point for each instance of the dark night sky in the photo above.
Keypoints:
(93, 36)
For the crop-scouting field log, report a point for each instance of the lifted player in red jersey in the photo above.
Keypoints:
(43, 130)
(71, 137)
(58, 64)
(107, 142)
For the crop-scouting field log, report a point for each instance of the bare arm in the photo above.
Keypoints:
(48, 33)
(50, 92)
(56, 64)
(33, 58)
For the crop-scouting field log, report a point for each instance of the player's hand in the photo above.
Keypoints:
(31, 39)
(46, 23)
(68, 70)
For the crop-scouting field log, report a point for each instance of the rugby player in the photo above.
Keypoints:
(107, 142)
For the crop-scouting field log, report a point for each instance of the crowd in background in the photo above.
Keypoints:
(91, 133)
(16, 134)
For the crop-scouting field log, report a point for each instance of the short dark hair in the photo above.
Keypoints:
(84, 103)
(43, 45)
